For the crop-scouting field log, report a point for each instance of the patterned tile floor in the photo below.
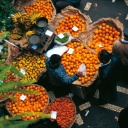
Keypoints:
(86, 108)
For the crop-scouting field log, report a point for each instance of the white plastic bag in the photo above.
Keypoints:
(82, 69)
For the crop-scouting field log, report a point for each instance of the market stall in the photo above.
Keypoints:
(29, 41)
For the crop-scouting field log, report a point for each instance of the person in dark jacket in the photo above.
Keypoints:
(58, 77)
(108, 76)
(120, 48)
(61, 4)
(123, 118)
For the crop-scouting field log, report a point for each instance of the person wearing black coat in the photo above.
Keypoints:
(123, 118)
(108, 76)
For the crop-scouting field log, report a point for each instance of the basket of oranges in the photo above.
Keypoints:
(103, 33)
(80, 55)
(28, 102)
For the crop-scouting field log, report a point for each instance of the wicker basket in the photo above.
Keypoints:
(87, 84)
(87, 35)
(29, 85)
(28, 2)
(11, 58)
(74, 110)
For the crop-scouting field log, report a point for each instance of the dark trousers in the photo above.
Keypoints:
(61, 91)
(124, 74)
(107, 92)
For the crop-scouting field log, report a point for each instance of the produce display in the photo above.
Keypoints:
(71, 62)
(23, 24)
(44, 7)
(4, 95)
(32, 103)
(10, 77)
(64, 39)
(31, 63)
(65, 109)
(104, 37)
(69, 21)
(3, 51)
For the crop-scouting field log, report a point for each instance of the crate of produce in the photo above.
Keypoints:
(28, 102)
(66, 111)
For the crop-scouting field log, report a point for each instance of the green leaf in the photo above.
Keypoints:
(8, 86)
(26, 91)
(16, 71)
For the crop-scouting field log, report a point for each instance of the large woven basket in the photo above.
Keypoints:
(87, 35)
(29, 85)
(87, 84)
(74, 110)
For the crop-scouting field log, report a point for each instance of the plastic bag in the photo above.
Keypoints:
(82, 69)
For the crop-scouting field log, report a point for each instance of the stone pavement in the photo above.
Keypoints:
(106, 8)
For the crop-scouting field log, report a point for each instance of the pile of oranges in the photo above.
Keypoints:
(104, 37)
(69, 21)
(71, 62)
(32, 103)
(43, 7)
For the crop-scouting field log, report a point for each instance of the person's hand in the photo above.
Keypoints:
(79, 74)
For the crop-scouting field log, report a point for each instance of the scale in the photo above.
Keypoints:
(40, 41)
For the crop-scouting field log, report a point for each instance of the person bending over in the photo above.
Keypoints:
(58, 77)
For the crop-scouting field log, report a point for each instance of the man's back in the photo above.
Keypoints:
(120, 49)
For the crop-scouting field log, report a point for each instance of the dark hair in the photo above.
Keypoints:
(55, 59)
(104, 56)
(126, 32)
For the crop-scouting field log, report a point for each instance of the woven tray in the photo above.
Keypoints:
(28, 85)
(74, 110)
(87, 84)
(87, 35)
(21, 5)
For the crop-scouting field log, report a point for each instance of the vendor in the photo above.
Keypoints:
(108, 77)
(58, 77)
(60, 4)
(120, 48)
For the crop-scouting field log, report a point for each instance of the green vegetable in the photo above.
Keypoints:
(6, 9)
(5, 49)
(63, 40)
